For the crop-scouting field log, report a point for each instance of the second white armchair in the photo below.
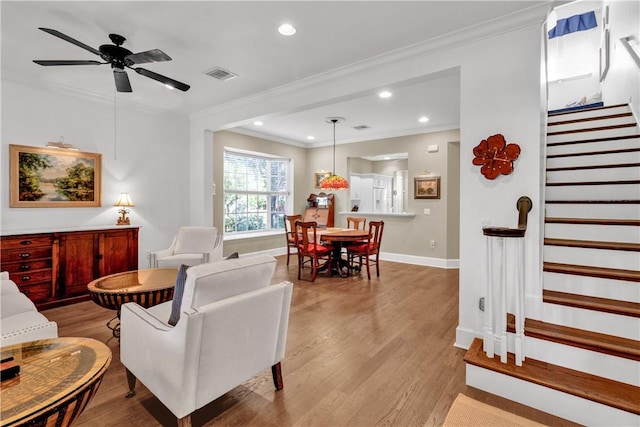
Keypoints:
(191, 246)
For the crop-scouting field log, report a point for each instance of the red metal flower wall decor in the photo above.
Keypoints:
(495, 156)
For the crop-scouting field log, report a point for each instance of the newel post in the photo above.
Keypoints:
(509, 264)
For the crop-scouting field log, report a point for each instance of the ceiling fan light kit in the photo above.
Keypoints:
(119, 58)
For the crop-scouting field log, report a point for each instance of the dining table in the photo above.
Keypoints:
(339, 238)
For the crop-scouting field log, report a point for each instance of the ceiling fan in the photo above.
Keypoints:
(119, 58)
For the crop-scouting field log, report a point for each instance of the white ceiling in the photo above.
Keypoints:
(242, 37)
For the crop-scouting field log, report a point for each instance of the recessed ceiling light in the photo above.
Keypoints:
(287, 29)
(258, 123)
(311, 137)
(423, 119)
(385, 94)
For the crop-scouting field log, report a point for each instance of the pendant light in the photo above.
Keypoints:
(333, 181)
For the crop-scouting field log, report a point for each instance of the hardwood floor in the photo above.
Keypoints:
(359, 353)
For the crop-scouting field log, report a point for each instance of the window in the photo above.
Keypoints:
(256, 192)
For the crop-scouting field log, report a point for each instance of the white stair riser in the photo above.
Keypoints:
(586, 147)
(592, 286)
(578, 359)
(599, 233)
(576, 115)
(590, 134)
(596, 159)
(563, 405)
(598, 175)
(610, 211)
(593, 192)
(589, 320)
(625, 260)
(591, 124)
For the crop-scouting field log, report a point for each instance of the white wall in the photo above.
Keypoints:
(622, 83)
(149, 159)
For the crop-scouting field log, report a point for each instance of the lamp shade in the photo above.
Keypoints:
(124, 200)
(333, 181)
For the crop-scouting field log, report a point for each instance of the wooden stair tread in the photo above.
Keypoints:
(593, 244)
(608, 166)
(594, 129)
(585, 141)
(585, 270)
(590, 202)
(621, 182)
(594, 153)
(592, 221)
(581, 110)
(589, 340)
(625, 308)
(591, 119)
(597, 389)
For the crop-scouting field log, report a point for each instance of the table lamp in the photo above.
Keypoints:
(124, 201)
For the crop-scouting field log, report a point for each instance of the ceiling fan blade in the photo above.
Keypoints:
(154, 55)
(163, 79)
(122, 80)
(48, 63)
(70, 40)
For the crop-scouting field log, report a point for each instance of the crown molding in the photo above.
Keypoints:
(534, 15)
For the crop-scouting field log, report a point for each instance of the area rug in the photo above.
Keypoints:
(468, 412)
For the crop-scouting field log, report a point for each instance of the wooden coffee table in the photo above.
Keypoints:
(58, 377)
(145, 287)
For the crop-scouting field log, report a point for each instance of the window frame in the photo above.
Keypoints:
(288, 193)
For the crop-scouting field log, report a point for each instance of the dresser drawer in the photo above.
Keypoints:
(25, 242)
(25, 266)
(38, 293)
(31, 277)
(27, 254)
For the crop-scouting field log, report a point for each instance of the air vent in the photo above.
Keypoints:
(220, 74)
(362, 127)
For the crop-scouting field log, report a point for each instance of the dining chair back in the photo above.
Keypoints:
(290, 232)
(368, 250)
(309, 247)
(357, 223)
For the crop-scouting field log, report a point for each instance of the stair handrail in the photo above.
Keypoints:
(629, 48)
(495, 301)
(524, 205)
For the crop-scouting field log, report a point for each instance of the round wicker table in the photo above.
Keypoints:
(144, 287)
(57, 379)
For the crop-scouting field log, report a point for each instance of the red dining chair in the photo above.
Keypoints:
(290, 231)
(369, 250)
(308, 246)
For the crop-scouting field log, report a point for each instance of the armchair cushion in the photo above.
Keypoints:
(178, 290)
(192, 240)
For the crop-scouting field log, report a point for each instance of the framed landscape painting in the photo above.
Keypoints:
(426, 188)
(53, 178)
(319, 176)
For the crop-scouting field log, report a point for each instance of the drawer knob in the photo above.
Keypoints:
(25, 278)
(25, 267)
(25, 242)
(25, 255)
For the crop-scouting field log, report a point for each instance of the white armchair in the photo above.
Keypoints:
(232, 326)
(192, 245)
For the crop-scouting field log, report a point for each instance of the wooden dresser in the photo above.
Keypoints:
(54, 268)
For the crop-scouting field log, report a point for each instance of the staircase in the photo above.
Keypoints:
(583, 357)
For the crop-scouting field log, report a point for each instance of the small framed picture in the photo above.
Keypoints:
(319, 176)
(426, 187)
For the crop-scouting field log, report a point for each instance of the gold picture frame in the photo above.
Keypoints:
(426, 187)
(54, 178)
(319, 176)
